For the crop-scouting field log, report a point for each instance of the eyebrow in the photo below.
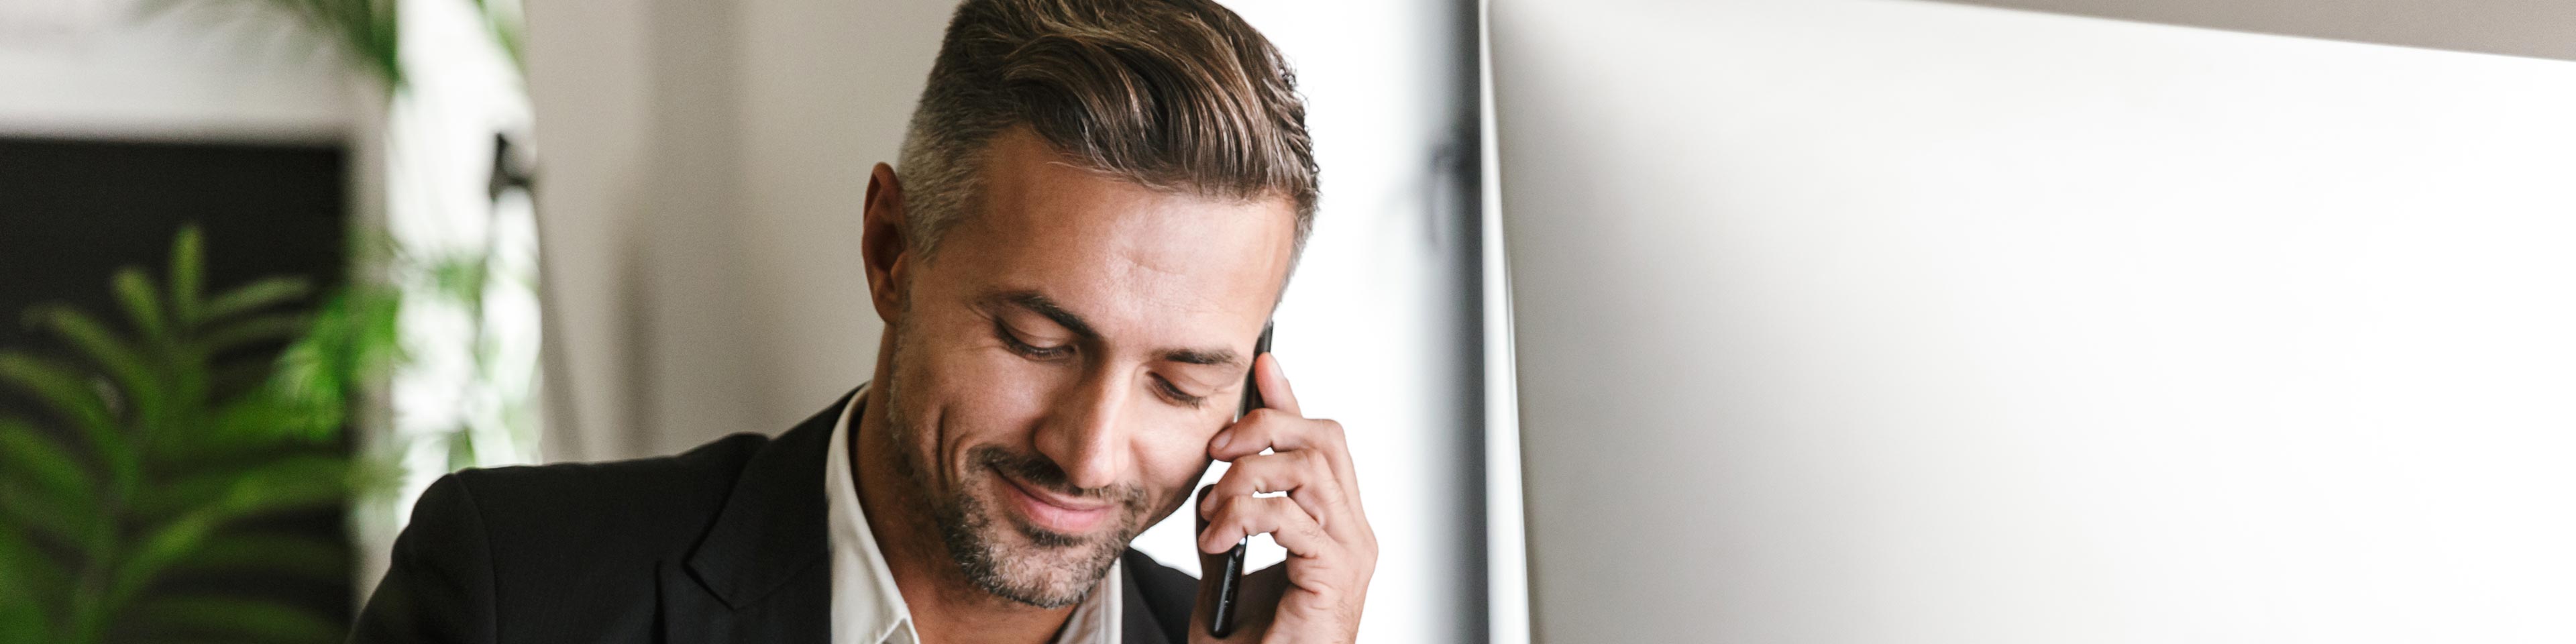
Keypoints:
(1042, 305)
(1220, 357)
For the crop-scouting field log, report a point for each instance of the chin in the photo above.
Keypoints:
(1003, 551)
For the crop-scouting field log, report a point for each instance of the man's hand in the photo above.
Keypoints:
(1316, 595)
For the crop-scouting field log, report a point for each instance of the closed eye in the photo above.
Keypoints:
(1175, 394)
(1033, 352)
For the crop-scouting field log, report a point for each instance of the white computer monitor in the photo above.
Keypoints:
(1898, 321)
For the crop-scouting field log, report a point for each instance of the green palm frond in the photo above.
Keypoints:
(254, 296)
(40, 461)
(159, 442)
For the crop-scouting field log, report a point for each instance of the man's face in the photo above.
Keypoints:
(1061, 362)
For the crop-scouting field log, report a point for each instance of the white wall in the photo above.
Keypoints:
(701, 170)
(2537, 28)
(1879, 321)
(94, 69)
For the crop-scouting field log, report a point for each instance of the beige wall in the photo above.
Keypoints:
(699, 189)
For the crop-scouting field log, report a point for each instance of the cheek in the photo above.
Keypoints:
(974, 392)
(1169, 459)
(987, 401)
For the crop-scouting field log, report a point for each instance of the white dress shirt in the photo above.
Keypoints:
(866, 606)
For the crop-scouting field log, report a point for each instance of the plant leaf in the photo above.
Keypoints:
(461, 277)
(253, 619)
(187, 275)
(254, 296)
(24, 508)
(113, 354)
(299, 555)
(79, 405)
(262, 419)
(280, 483)
(155, 552)
(253, 329)
(142, 306)
(39, 460)
(27, 592)
(32, 573)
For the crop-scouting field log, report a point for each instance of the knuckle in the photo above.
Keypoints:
(1251, 467)
(1234, 511)
(1260, 416)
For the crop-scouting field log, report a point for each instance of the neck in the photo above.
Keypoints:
(946, 607)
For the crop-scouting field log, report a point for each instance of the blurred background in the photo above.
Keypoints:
(1741, 320)
(688, 176)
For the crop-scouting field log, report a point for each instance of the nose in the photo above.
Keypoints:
(1083, 437)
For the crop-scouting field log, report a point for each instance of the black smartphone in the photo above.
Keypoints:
(1229, 580)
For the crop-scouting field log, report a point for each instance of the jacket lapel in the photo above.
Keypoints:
(1139, 625)
(759, 575)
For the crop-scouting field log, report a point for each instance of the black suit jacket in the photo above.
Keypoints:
(724, 543)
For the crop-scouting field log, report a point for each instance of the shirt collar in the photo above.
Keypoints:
(867, 608)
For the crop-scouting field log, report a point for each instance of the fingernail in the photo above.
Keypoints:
(1222, 438)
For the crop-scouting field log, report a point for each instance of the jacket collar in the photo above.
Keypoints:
(772, 525)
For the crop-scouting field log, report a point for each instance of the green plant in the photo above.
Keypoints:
(165, 444)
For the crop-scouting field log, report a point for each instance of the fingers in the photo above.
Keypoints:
(1290, 526)
(1310, 462)
(1319, 521)
(1277, 430)
(1306, 475)
(1275, 392)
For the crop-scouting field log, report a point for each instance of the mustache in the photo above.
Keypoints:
(1039, 471)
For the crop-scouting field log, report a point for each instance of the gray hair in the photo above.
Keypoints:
(1174, 95)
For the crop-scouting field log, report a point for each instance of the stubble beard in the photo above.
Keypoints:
(1051, 570)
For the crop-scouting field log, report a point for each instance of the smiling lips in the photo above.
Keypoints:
(1055, 512)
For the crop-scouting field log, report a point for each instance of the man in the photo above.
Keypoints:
(1099, 204)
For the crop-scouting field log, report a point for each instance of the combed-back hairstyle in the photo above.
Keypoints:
(1174, 95)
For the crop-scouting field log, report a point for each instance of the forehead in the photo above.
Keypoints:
(1110, 248)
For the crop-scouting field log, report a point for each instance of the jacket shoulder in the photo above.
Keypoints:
(608, 508)
(521, 554)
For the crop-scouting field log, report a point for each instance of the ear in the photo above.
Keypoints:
(882, 244)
